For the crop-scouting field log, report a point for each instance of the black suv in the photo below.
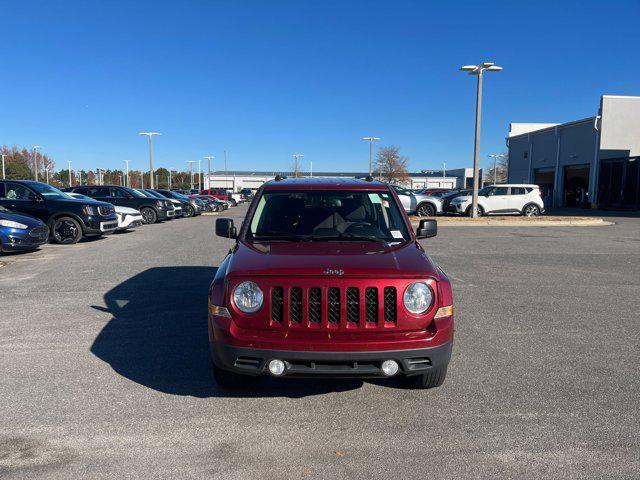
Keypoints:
(152, 210)
(68, 218)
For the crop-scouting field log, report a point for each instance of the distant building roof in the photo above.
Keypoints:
(263, 173)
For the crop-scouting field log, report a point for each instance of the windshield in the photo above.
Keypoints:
(80, 196)
(151, 193)
(327, 216)
(48, 191)
(135, 193)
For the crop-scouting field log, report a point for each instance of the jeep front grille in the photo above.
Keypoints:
(334, 307)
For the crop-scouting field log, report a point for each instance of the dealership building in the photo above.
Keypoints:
(592, 162)
(237, 180)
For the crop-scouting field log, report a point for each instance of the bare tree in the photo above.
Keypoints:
(296, 170)
(391, 166)
(500, 175)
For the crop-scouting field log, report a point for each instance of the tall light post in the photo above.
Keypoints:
(199, 173)
(478, 71)
(495, 157)
(150, 135)
(444, 169)
(35, 159)
(69, 162)
(169, 179)
(191, 162)
(371, 140)
(3, 176)
(126, 162)
(208, 158)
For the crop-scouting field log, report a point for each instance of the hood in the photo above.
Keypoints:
(356, 259)
(126, 210)
(25, 219)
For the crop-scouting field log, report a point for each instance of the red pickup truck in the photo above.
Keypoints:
(328, 279)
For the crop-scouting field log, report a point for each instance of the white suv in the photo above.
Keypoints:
(502, 199)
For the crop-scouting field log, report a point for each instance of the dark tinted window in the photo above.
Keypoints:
(518, 191)
(500, 191)
(1, 190)
(81, 190)
(98, 191)
(15, 191)
(118, 193)
(328, 215)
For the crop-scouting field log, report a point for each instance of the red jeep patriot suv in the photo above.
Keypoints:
(327, 279)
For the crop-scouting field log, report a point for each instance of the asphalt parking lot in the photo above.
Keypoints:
(104, 367)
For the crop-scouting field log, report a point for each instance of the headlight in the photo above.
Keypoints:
(10, 224)
(248, 297)
(88, 210)
(158, 203)
(418, 297)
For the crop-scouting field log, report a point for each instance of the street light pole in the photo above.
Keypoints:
(126, 162)
(3, 176)
(199, 173)
(209, 158)
(191, 162)
(478, 70)
(69, 173)
(150, 135)
(444, 169)
(371, 140)
(35, 159)
(169, 179)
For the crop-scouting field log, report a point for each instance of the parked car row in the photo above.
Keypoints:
(503, 199)
(32, 213)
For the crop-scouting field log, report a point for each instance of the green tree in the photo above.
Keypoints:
(17, 170)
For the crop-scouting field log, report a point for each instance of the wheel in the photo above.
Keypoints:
(189, 212)
(65, 230)
(531, 210)
(480, 211)
(234, 203)
(425, 210)
(149, 215)
(227, 379)
(431, 379)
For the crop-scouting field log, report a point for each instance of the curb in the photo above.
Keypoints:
(510, 223)
(209, 214)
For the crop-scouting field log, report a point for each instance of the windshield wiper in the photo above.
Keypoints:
(348, 236)
(276, 235)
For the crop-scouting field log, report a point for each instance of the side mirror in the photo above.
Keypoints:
(225, 228)
(427, 228)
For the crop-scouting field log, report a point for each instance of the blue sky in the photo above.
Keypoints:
(265, 79)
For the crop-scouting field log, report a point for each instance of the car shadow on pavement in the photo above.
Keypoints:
(158, 338)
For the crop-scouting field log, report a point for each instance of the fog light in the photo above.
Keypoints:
(276, 367)
(390, 367)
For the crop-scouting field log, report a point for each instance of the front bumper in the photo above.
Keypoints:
(95, 226)
(252, 361)
(16, 239)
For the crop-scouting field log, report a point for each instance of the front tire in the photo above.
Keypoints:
(227, 379)
(149, 216)
(189, 212)
(480, 211)
(65, 231)
(531, 210)
(425, 210)
(431, 379)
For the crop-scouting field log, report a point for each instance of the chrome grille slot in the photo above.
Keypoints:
(277, 304)
(333, 308)
(390, 304)
(295, 304)
(371, 304)
(353, 305)
(315, 305)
